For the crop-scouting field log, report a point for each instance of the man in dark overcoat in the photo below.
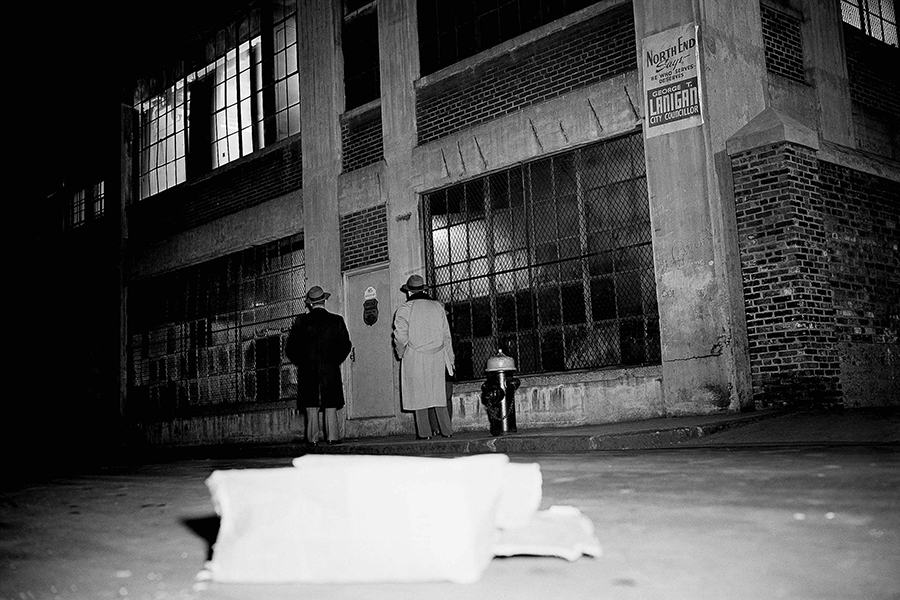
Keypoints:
(317, 344)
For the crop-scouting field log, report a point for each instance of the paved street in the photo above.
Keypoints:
(803, 522)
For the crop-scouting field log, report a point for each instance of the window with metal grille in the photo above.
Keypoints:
(240, 94)
(98, 199)
(84, 205)
(550, 261)
(362, 75)
(213, 333)
(875, 17)
(450, 30)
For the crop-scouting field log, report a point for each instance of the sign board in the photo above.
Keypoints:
(672, 89)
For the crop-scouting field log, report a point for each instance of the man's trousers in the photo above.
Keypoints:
(312, 424)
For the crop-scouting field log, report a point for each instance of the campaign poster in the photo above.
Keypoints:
(672, 80)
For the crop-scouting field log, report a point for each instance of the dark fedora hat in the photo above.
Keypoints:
(415, 283)
(316, 294)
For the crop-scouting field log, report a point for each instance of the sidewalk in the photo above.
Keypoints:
(770, 427)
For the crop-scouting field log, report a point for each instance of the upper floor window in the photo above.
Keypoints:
(362, 79)
(241, 93)
(452, 30)
(84, 205)
(875, 17)
(286, 79)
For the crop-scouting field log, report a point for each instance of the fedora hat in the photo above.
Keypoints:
(316, 294)
(415, 283)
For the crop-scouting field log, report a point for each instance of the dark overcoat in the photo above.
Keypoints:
(317, 344)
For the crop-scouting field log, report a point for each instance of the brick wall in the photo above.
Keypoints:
(225, 191)
(362, 141)
(862, 215)
(575, 57)
(364, 238)
(872, 71)
(783, 44)
(788, 299)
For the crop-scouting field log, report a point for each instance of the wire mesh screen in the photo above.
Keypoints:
(876, 18)
(550, 261)
(213, 333)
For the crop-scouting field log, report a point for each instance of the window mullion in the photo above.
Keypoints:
(486, 198)
(528, 199)
(580, 200)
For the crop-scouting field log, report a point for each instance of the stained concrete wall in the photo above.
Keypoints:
(260, 224)
(702, 328)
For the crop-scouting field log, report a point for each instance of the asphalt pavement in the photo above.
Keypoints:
(798, 505)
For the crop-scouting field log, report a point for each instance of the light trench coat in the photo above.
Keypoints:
(423, 344)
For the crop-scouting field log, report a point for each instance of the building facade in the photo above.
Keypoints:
(657, 208)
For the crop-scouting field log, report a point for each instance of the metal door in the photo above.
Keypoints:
(368, 315)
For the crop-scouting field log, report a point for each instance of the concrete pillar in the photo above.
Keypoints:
(702, 323)
(399, 54)
(321, 90)
(398, 46)
(119, 195)
(826, 65)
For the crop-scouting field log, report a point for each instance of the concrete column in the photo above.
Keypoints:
(702, 322)
(398, 47)
(322, 101)
(826, 64)
(118, 196)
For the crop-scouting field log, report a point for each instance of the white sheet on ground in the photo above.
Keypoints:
(341, 519)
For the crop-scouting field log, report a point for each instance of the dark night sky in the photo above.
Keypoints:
(73, 53)
(78, 55)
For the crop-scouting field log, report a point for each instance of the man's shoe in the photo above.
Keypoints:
(332, 442)
(419, 437)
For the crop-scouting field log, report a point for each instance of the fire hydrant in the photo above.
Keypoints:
(498, 394)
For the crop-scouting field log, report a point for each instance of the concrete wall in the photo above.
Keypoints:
(252, 226)
(702, 327)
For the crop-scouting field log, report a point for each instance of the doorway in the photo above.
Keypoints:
(369, 321)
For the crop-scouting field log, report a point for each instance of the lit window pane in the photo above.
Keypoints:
(280, 69)
(291, 59)
(441, 246)
(294, 119)
(293, 91)
(282, 125)
(170, 174)
(244, 57)
(234, 146)
(247, 141)
(281, 95)
(231, 64)
(233, 123)
(231, 92)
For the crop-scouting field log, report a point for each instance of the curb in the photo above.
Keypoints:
(558, 442)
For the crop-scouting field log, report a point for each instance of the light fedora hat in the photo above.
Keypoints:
(316, 294)
(415, 283)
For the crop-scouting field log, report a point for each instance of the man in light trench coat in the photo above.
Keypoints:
(423, 344)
